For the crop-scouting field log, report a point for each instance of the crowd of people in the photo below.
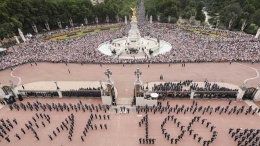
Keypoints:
(183, 89)
(41, 94)
(82, 93)
(67, 124)
(246, 136)
(187, 47)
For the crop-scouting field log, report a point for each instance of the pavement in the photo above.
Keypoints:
(123, 129)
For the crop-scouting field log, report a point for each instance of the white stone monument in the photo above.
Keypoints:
(58, 90)
(257, 34)
(125, 20)
(257, 94)
(138, 80)
(107, 98)
(134, 33)
(18, 42)
(21, 34)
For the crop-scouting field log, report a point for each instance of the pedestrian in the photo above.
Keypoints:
(16, 135)
(50, 137)
(22, 130)
(43, 124)
(7, 138)
(54, 133)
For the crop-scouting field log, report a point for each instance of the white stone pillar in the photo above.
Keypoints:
(151, 19)
(59, 92)
(240, 94)
(257, 34)
(125, 20)
(15, 92)
(21, 34)
(192, 94)
(257, 94)
(18, 42)
(1, 91)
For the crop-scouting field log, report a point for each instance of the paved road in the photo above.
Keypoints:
(124, 76)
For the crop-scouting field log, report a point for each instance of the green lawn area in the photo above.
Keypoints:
(210, 34)
(80, 33)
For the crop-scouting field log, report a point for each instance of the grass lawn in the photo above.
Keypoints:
(80, 33)
(210, 34)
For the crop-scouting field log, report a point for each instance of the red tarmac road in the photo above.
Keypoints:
(124, 76)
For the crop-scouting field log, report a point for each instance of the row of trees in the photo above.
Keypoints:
(175, 8)
(234, 13)
(23, 13)
(228, 14)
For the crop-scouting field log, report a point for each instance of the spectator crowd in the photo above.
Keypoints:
(187, 47)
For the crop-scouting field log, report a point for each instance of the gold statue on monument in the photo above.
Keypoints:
(134, 13)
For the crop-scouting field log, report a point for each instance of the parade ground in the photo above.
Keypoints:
(122, 128)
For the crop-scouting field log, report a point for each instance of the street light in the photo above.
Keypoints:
(57, 85)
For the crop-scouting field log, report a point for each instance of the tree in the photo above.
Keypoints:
(199, 14)
(231, 13)
(256, 17)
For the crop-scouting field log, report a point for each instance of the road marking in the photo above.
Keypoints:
(1, 106)
(11, 74)
(257, 73)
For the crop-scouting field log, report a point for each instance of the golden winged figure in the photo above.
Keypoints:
(134, 13)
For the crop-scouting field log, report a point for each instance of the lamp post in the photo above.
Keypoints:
(147, 84)
(57, 85)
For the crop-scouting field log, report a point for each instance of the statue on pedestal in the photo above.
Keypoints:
(12, 84)
(109, 83)
(138, 83)
(134, 13)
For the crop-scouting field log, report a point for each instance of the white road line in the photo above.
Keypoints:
(11, 74)
(1, 106)
(257, 73)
